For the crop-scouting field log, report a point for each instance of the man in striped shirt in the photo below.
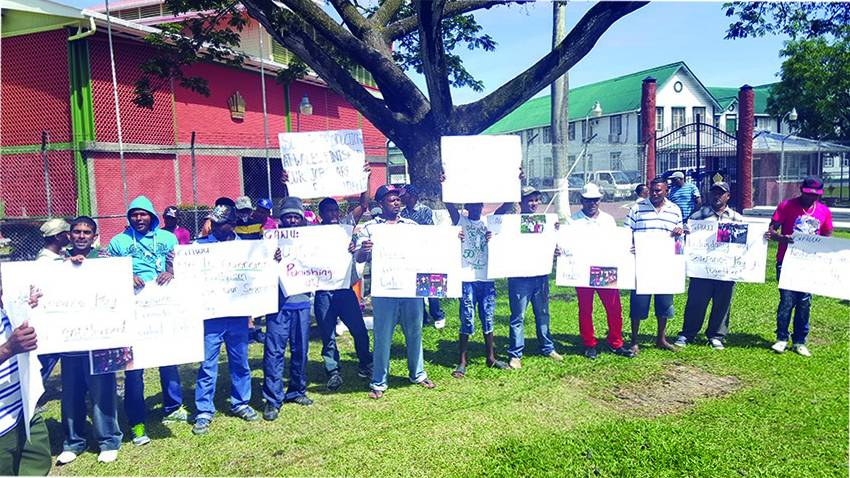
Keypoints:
(685, 195)
(654, 213)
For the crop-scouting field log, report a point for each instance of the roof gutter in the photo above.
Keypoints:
(82, 34)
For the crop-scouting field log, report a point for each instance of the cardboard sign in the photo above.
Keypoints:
(817, 265)
(659, 263)
(522, 245)
(728, 251)
(324, 163)
(595, 257)
(313, 258)
(481, 168)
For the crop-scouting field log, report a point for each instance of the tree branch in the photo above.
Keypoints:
(351, 16)
(430, 13)
(474, 118)
(402, 27)
(385, 12)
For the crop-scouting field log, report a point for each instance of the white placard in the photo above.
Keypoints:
(481, 168)
(728, 251)
(230, 279)
(817, 265)
(595, 257)
(313, 258)
(83, 307)
(324, 163)
(659, 263)
(516, 250)
(404, 254)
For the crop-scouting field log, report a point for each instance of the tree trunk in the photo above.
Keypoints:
(422, 152)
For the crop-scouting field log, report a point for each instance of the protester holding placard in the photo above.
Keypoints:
(655, 213)
(233, 332)
(222, 201)
(389, 311)
(290, 326)
(522, 290)
(149, 247)
(701, 291)
(263, 213)
(56, 238)
(597, 222)
(78, 379)
(247, 227)
(802, 215)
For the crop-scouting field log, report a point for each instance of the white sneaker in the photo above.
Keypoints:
(107, 456)
(66, 457)
(801, 349)
(681, 341)
(716, 343)
(439, 324)
(780, 346)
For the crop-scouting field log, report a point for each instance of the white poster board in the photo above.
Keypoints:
(728, 251)
(312, 258)
(324, 163)
(481, 168)
(595, 257)
(83, 307)
(522, 245)
(229, 279)
(659, 263)
(817, 265)
(415, 261)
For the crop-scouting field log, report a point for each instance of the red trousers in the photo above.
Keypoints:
(613, 308)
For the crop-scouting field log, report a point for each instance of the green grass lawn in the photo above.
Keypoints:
(744, 411)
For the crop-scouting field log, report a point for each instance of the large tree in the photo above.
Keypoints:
(414, 120)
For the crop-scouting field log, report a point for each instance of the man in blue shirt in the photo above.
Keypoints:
(685, 195)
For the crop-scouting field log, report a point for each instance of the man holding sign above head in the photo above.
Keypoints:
(802, 215)
(596, 223)
(701, 290)
(389, 311)
(233, 332)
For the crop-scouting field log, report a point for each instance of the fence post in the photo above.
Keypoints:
(45, 140)
(194, 183)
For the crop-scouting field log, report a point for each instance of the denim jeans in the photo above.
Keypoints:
(343, 304)
(700, 292)
(801, 303)
(639, 305)
(233, 332)
(76, 381)
(521, 291)
(134, 393)
(483, 295)
(289, 327)
(388, 312)
(434, 309)
(48, 363)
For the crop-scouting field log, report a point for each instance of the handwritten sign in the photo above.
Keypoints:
(324, 163)
(230, 279)
(84, 307)
(727, 251)
(313, 258)
(481, 168)
(659, 263)
(595, 257)
(515, 250)
(817, 265)
(401, 252)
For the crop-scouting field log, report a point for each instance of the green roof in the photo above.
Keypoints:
(727, 95)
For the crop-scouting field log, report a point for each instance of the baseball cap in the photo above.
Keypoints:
(265, 203)
(54, 226)
(384, 190)
(591, 191)
(222, 213)
(678, 174)
(527, 190)
(225, 201)
(243, 202)
(171, 211)
(291, 204)
(812, 185)
(722, 185)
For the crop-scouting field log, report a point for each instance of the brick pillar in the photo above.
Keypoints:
(746, 119)
(647, 124)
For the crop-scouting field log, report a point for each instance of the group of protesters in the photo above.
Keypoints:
(150, 242)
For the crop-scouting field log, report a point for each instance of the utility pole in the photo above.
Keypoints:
(560, 115)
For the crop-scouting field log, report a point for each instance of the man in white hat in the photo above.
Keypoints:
(55, 233)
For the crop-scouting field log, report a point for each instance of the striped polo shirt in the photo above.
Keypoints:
(644, 217)
(11, 402)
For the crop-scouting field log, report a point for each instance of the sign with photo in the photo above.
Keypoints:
(522, 245)
(726, 251)
(595, 257)
(324, 163)
(817, 265)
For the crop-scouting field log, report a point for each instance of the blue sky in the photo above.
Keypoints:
(657, 34)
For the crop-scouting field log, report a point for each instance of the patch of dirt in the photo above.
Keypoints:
(677, 388)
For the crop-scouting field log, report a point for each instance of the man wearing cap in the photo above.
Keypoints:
(685, 195)
(246, 226)
(802, 215)
(597, 222)
(290, 326)
(263, 213)
(702, 291)
(233, 332)
(222, 201)
(169, 218)
(522, 290)
(55, 233)
(389, 311)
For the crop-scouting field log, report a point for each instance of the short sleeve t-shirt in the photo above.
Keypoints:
(685, 197)
(602, 219)
(794, 218)
(474, 250)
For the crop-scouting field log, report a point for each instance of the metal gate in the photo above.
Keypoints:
(702, 152)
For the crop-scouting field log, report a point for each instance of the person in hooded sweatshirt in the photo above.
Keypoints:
(148, 246)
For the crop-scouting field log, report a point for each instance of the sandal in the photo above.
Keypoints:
(427, 383)
(376, 394)
(499, 365)
(460, 371)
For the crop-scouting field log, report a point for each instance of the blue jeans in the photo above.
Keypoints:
(292, 327)
(233, 332)
(342, 303)
(483, 295)
(521, 291)
(48, 363)
(388, 312)
(801, 303)
(76, 381)
(639, 306)
(434, 309)
(134, 393)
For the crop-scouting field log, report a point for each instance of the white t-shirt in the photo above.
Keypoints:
(474, 249)
(602, 219)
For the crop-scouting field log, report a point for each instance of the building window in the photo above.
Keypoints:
(584, 130)
(589, 163)
(828, 162)
(571, 132)
(616, 164)
(846, 162)
(763, 123)
(531, 172)
(548, 168)
(547, 135)
(615, 124)
(699, 114)
(717, 121)
(678, 118)
(659, 118)
(731, 124)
